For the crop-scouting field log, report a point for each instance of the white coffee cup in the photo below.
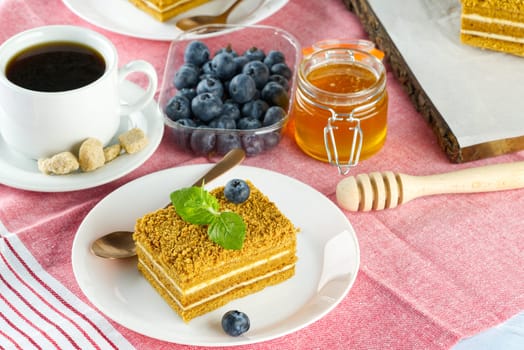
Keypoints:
(39, 124)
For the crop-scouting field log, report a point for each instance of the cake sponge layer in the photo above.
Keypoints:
(493, 44)
(216, 285)
(214, 302)
(497, 29)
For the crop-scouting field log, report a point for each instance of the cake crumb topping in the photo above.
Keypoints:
(187, 248)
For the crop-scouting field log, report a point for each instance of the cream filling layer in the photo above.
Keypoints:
(490, 20)
(493, 36)
(212, 281)
(165, 9)
(214, 296)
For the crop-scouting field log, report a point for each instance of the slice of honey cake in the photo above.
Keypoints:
(493, 24)
(195, 275)
(163, 10)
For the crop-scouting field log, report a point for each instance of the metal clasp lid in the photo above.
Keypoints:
(331, 144)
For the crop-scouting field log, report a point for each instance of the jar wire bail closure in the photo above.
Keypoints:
(331, 144)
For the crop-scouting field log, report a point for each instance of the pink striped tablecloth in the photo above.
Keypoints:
(432, 272)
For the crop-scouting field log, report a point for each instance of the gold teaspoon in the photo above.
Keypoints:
(120, 244)
(196, 21)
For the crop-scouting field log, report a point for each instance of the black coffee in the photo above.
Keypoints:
(55, 66)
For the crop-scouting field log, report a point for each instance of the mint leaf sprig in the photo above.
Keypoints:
(197, 206)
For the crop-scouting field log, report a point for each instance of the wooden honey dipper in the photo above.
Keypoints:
(382, 190)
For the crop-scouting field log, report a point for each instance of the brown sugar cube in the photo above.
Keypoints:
(133, 140)
(91, 154)
(111, 152)
(60, 164)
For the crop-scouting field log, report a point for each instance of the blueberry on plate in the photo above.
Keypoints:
(187, 76)
(237, 191)
(242, 88)
(178, 107)
(196, 53)
(206, 106)
(258, 71)
(235, 323)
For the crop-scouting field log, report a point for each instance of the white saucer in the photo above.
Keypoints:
(121, 16)
(327, 250)
(21, 172)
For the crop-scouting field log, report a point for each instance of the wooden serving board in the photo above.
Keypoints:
(473, 99)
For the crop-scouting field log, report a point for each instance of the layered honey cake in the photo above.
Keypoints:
(493, 24)
(195, 275)
(163, 10)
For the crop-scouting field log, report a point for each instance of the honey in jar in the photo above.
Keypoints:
(340, 106)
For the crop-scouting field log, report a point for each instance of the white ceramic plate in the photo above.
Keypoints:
(21, 172)
(327, 249)
(121, 16)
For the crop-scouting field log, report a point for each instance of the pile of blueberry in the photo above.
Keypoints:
(222, 99)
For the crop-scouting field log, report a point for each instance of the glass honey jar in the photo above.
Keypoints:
(340, 106)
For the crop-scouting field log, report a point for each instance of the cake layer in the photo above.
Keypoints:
(163, 10)
(495, 26)
(495, 13)
(514, 48)
(221, 281)
(213, 302)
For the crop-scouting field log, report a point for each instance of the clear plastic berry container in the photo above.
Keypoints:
(209, 138)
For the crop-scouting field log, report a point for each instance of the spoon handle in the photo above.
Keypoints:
(230, 9)
(230, 160)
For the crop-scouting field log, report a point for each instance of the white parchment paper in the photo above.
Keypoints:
(479, 93)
